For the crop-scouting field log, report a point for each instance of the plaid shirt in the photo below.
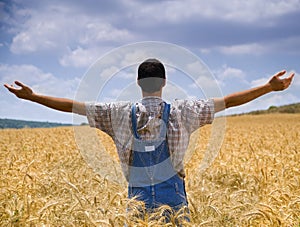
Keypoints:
(185, 117)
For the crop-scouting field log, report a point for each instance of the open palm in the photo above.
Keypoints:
(278, 84)
(24, 92)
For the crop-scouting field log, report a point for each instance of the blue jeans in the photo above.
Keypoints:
(152, 178)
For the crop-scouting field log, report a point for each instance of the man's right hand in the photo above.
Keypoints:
(24, 92)
(61, 104)
(239, 98)
(278, 84)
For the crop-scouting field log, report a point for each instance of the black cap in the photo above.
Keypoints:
(151, 68)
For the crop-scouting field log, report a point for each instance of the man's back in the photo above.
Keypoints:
(185, 117)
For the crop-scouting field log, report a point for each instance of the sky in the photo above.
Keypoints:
(53, 45)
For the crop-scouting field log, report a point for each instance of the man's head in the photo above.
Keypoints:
(151, 75)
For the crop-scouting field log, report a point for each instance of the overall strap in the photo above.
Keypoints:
(165, 118)
(166, 113)
(134, 121)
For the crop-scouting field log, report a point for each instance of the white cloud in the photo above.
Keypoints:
(41, 31)
(263, 80)
(231, 79)
(41, 82)
(135, 56)
(80, 57)
(130, 92)
(129, 74)
(56, 27)
(173, 91)
(251, 49)
(295, 85)
(83, 57)
(115, 92)
(296, 80)
(228, 72)
(109, 72)
(98, 31)
(291, 95)
(285, 45)
(198, 68)
(259, 82)
(242, 11)
(79, 37)
(264, 102)
(27, 73)
(205, 82)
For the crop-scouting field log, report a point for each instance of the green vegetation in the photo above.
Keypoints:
(291, 108)
(10, 123)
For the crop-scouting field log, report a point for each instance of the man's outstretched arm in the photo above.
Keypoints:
(239, 98)
(61, 104)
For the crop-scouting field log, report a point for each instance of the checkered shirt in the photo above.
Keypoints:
(185, 117)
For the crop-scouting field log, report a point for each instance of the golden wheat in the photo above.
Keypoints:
(255, 180)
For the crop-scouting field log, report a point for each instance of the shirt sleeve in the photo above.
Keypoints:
(99, 116)
(111, 118)
(196, 113)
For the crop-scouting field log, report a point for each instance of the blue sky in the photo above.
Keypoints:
(50, 45)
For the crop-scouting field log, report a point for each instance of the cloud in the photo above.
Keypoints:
(231, 79)
(290, 45)
(129, 73)
(68, 28)
(295, 86)
(296, 79)
(128, 92)
(227, 72)
(263, 80)
(198, 68)
(173, 91)
(264, 102)
(109, 72)
(9, 73)
(252, 48)
(208, 86)
(80, 57)
(96, 30)
(259, 82)
(136, 56)
(58, 27)
(247, 12)
(41, 82)
(40, 31)
(132, 92)
(73, 33)
(272, 99)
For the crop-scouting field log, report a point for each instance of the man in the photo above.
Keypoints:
(152, 145)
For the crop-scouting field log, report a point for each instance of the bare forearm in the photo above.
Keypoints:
(239, 98)
(243, 97)
(61, 104)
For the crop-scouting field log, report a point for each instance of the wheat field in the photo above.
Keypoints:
(254, 181)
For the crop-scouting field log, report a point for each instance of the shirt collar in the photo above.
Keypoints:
(151, 104)
(151, 100)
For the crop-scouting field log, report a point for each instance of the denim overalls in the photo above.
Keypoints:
(152, 178)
